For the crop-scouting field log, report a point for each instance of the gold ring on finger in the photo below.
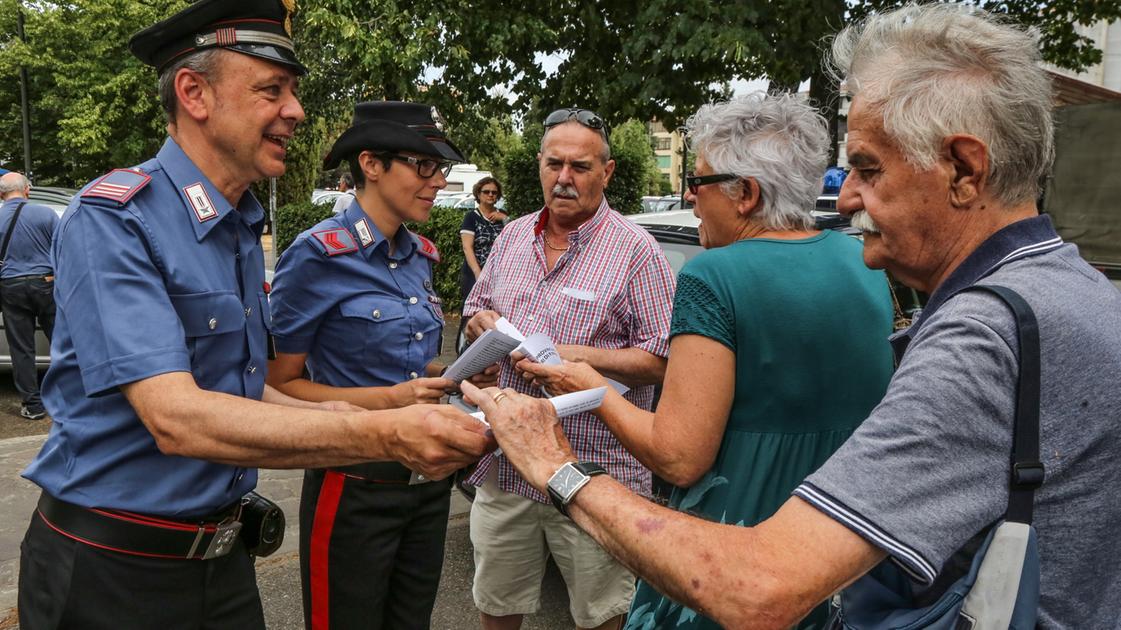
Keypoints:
(499, 396)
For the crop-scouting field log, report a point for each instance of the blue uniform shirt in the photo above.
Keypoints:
(29, 252)
(156, 277)
(364, 317)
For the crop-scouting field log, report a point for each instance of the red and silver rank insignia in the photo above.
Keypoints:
(435, 302)
(428, 248)
(364, 233)
(118, 185)
(200, 202)
(336, 241)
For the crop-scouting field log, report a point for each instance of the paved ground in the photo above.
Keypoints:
(278, 576)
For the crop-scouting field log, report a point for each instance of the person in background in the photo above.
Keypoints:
(346, 186)
(354, 305)
(479, 230)
(778, 346)
(26, 284)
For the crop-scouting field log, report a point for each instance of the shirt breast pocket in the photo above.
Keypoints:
(377, 323)
(214, 327)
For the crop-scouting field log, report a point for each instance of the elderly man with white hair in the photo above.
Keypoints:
(950, 134)
(26, 284)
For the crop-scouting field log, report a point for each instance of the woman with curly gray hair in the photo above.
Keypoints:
(779, 338)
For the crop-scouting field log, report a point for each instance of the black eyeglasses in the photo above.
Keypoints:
(585, 117)
(694, 182)
(424, 167)
(488, 192)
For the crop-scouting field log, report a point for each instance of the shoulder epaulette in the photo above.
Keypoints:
(118, 185)
(336, 241)
(427, 248)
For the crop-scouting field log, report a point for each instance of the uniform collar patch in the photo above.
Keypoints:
(364, 233)
(200, 202)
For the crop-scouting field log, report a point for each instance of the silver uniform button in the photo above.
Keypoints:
(376, 314)
(393, 265)
(212, 324)
(252, 369)
(412, 300)
(413, 374)
(248, 310)
(418, 336)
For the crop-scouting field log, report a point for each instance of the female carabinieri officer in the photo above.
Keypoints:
(356, 318)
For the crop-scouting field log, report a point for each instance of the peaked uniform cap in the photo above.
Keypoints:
(393, 126)
(258, 28)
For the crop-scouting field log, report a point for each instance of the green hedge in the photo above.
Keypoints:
(441, 228)
(295, 218)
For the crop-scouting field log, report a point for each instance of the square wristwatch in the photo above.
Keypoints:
(567, 481)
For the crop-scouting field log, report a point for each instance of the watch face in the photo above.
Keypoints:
(567, 481)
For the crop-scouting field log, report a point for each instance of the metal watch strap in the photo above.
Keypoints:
(588, 469)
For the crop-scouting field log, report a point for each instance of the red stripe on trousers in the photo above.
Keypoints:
(325, 510)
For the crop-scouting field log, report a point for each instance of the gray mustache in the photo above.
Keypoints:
(565, 191)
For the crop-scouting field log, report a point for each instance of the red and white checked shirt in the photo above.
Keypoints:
(613, 288)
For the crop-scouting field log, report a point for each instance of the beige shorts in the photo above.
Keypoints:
(513, 537)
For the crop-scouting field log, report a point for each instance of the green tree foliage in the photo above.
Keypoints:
(94, 107)
(522, 185)
(634, 167)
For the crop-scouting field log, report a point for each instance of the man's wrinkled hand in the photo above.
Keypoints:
(561, 379)
(527, 429)
(479, 323)
(420, 391)
(437, 440)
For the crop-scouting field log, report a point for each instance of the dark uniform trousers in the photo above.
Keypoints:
(24, 300)
(370, 553)
(66, 584)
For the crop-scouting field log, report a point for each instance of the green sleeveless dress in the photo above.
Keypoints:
(808, 324)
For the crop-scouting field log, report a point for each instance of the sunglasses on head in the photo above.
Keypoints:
(585, 117)
(425, 167)
(694, 182)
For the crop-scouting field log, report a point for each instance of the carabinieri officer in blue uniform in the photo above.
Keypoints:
(160, 350)
(354, 303)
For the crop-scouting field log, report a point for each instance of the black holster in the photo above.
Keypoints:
(262, 525)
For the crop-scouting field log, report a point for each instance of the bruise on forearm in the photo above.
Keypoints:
(724, 572)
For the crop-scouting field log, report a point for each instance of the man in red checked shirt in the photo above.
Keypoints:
(599, 286)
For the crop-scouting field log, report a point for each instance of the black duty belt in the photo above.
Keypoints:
(141, 534)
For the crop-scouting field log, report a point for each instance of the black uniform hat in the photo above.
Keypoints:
(261, 28)
(393, 126)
